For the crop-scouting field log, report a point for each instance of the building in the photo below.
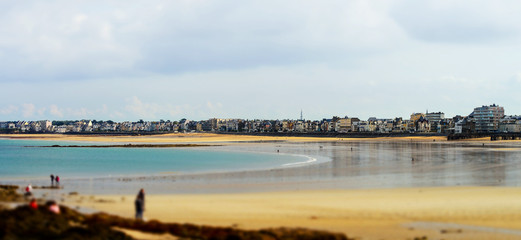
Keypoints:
(423, 125)
(487, 118)
(415, 117)
(510, 124)
(464, 125)
(346, 124)
(434, 119)
(435, 116)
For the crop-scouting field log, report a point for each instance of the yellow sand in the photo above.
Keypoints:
(365, 214)
(202, 137)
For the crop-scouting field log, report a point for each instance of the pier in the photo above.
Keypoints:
(493, 136)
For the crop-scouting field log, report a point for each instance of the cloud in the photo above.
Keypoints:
(238, 34)
(466, 21)
(59, 40)
(28, 110)
(41, 111)
(140, 109)
(516, 79)
(80, 112)
(213, 106)
(117, 115)
(8, 110)
(54, 111)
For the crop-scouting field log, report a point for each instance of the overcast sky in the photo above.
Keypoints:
(196, 59)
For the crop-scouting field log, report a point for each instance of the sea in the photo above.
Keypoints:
(33, 159)
(263, 166)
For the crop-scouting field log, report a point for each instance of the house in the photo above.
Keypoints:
(423, 125)
(510, 124)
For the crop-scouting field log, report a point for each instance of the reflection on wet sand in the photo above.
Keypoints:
(342, 165)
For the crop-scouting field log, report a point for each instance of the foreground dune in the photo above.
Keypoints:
(438, 213)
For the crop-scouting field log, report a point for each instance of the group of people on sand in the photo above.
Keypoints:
(29, 188)
(55, 178)
(52, 206)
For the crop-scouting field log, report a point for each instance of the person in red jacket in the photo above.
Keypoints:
(28, 191)
(33, 204)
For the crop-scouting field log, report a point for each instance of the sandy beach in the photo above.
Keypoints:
(448, 212)
(438, 213)
(207, 138)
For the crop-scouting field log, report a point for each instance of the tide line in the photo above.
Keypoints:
(310, 160)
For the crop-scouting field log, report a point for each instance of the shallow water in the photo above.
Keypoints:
(26, 159)
(340, 165)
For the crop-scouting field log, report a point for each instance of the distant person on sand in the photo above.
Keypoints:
(57, 180)
(52, 180)
(28, 190)
(140, 204)
(53, 207)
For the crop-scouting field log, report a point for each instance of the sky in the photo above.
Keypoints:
(198, 59)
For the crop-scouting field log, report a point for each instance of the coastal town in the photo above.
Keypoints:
(484, 119)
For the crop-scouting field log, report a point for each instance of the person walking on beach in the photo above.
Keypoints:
(52, 179)
(140, 204)
(57, 180)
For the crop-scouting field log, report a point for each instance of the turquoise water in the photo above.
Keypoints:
(19, 161)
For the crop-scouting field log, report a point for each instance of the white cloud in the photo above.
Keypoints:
(61, 40)
(257, 59)
(104, 109)
(466, 21)
(214, 106)
(79, 112)
(8, 110)
(140, 109)
(135, 106)
(55, 111)
(28, 110)
(41, 111)
(516, 79)
(117, 115)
